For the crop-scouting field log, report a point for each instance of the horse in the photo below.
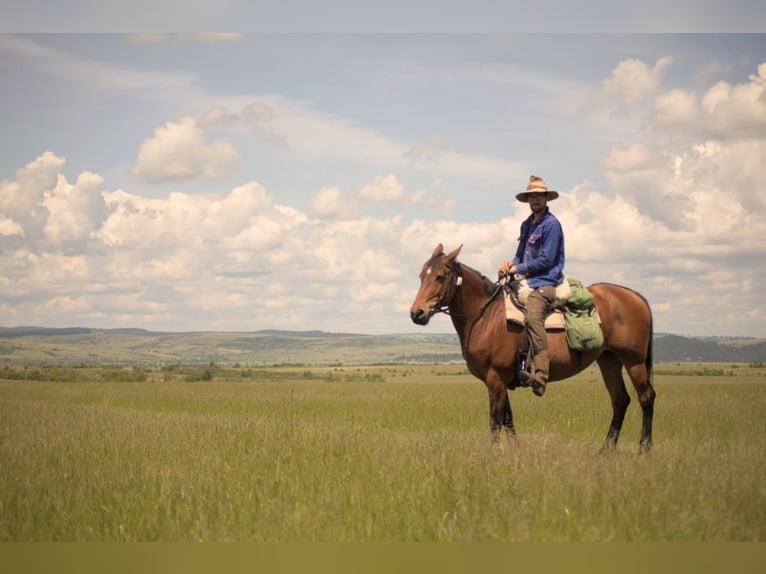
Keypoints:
(490, 344)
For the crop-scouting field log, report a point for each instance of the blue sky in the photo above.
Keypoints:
(299, 181)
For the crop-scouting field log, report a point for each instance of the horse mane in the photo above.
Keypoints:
(489, 285)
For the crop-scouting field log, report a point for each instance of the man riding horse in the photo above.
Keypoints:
(540, 259)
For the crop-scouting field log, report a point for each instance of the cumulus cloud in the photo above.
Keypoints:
(723, 111)
(22, 202)
(9, 227)
(696, 144)
(632, 83)
(681, 209)
(688, 193)
(383, 189)
(178, 151)
(646, 176)
(386, 189)
(41, 210)
(739, 109)
(675, 108)
(329, 203)
(75, 212)
(243, 260)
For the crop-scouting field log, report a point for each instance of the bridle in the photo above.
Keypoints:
(449, 285)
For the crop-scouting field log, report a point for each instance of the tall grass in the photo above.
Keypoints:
(400, 460)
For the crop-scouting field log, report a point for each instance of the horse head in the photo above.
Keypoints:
(436, 285)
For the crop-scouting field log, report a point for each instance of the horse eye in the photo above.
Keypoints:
(440, 278)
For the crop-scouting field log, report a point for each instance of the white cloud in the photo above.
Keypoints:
(236, 208)
(387, 189)
(677, 107)
(686, 212)
(724, 111)
(10, 227)
(245, 261)
(329, 203)
(75, 212)
(21, 201)
(737, 110)
(682, 208)
(383, 189)
(676, 166)
(632, 83)
(646, 177)
(178, 151)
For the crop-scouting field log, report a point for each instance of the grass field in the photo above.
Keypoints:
(384, 453)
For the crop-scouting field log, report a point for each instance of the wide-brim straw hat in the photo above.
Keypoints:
(537, 185)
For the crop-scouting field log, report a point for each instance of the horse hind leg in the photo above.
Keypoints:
(639, 376)
(611, 371)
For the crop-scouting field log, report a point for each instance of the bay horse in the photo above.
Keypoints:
(490, 344)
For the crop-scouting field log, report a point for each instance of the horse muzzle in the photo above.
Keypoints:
(421, 316)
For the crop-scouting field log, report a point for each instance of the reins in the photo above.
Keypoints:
(444, 308)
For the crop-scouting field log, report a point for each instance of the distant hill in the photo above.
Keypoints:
(39, 345)
(674, 348)
(76, 345)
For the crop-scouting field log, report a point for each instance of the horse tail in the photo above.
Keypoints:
(649, 361)
(649, 358)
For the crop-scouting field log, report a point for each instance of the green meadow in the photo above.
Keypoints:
(373, 453)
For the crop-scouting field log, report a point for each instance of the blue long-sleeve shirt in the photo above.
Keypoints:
(540, 254)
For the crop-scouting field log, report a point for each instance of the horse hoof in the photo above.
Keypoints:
(538, 389)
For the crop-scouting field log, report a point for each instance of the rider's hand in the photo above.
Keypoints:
(507, 268)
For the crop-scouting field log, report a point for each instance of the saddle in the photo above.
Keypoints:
(580, 320)
(515, 294)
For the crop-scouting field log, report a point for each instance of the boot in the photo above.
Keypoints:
(523, 369)
(541, 366)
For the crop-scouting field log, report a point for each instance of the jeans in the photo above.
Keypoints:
(538, 305)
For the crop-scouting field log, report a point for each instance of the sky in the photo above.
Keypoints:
(252, 180)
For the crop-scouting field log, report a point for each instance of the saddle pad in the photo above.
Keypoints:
(553, 322)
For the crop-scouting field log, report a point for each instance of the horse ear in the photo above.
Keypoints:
(452, 256)
(438, 251)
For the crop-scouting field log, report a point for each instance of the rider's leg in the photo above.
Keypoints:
(538, 306)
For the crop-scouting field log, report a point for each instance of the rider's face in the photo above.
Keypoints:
(537, 202)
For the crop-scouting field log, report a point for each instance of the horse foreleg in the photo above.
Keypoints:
(500, 413)
(611, 371)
